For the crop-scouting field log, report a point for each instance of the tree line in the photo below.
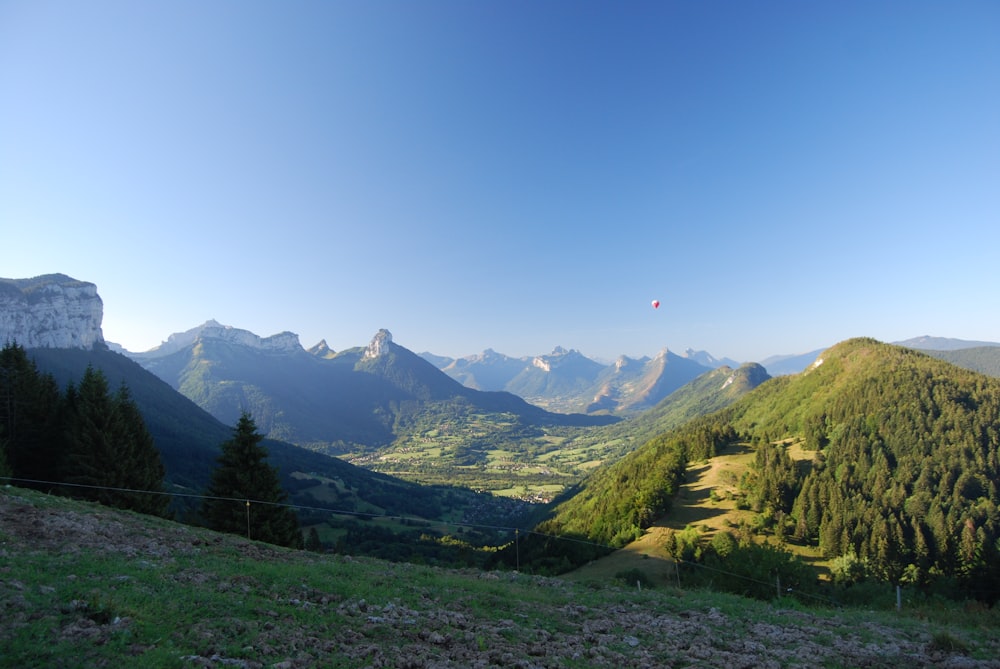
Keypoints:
(90, 442)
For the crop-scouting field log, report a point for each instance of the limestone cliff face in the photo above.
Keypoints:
(283, 342)
(379, 345)
(50, 311)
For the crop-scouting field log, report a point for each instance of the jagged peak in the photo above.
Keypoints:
(321, 349)
(379, 345)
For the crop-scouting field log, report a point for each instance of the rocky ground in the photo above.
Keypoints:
(304, 627)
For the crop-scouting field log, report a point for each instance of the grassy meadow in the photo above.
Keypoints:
(85, 586)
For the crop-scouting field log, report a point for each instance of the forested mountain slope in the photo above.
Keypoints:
(904, 478)
(984, 359)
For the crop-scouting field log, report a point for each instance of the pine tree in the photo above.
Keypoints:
(138, 456)
(111, 455)
(29, 417)
(5, 470)
(313, 542)
(245, 495)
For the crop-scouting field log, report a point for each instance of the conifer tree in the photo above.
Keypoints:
(29, 417)
(5, 470)
(139, 457)
(313, 542)
(245, 495)
(111, 455)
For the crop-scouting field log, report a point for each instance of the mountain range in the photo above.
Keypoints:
(902, 477)
(564, 381)
(567, 381)
(356, 400)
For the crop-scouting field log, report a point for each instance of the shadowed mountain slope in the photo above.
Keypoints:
(359, 399)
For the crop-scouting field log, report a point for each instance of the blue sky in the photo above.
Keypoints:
(510, 175)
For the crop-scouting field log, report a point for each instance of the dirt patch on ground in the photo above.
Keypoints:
(307, 627)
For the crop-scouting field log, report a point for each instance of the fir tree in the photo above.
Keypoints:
(5, 470)
(111, 455)
(313, 542)
(30, 420)
(245, 495)
(139, 457)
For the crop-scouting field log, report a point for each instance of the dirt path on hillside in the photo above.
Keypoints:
(693, 506)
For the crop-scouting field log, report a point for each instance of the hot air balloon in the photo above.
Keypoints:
(656, 304)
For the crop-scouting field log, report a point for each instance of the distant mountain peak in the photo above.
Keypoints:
(321, 350)
(703, 357)
(930, 343)
(283, 342)
(707, 359)
(379, 345)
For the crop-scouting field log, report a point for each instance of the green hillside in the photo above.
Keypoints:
(706, 394)
(902, 485)
(86, 586)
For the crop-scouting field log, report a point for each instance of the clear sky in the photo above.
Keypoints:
(513, 175)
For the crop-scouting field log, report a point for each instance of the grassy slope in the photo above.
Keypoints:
(85, 586)
(694, 506)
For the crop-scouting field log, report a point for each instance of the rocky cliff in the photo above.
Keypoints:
(379, 345)
(50, 311)
(283, 342)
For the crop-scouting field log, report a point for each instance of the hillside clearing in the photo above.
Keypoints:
(695, 505)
